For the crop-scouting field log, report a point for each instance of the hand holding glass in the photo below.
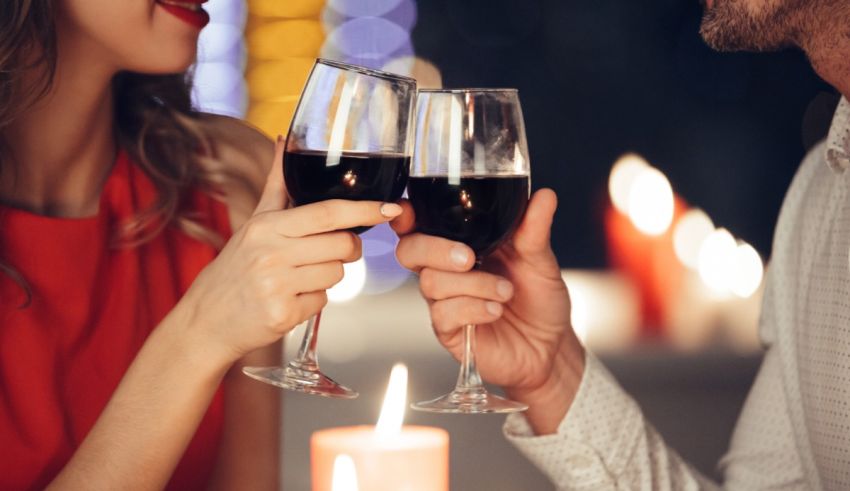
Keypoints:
(469, 182)
(349, 139)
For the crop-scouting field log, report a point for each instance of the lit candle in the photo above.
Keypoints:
(640, 237)
(389, 456)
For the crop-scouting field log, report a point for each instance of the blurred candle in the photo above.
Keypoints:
(389, 456)
(640, 237)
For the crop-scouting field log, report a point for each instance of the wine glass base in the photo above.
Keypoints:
(307, 381)
(470, 402)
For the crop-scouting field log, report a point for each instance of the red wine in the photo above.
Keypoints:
(480, 211)
(357, 176)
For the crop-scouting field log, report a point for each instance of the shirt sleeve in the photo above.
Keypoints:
(604, 443)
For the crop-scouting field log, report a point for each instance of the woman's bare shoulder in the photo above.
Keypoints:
(244, 155)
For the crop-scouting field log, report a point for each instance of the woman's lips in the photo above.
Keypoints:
(187, 11)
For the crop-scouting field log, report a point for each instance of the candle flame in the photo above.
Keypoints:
(623, 175)
(345, 474)
(651, 202)
(392, 411)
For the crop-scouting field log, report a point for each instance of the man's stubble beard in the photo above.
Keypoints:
(731, 26)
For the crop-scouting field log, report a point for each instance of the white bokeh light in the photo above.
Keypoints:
(579, 315)
(717, 260)
(351, 285)
(748, 271)
(622, 177)
(651, 202)
(688, 235)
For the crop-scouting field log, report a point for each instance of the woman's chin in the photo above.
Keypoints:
(163, 66)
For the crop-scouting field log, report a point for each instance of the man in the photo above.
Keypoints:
(581, 429)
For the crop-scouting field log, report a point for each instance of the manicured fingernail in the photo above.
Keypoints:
(390, 210)
(459, 255)
(504, 289)
(494, 308)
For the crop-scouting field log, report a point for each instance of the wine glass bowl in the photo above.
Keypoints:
(469, 182)
(349, 139)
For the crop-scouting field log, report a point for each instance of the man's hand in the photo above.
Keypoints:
(519, 303)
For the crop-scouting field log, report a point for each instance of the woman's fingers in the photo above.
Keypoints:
(314, 249)
(441, 285)
(317, 277)
(331, 215)
(273, 196)
(310, 304)
(418, 251)
(448, 316)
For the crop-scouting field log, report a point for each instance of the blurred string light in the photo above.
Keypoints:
(219, 86)
(688, 235)
(716, 260)
(644, 194)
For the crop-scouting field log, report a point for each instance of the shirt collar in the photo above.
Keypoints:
(838, 141)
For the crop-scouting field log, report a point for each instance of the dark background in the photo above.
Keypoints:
(598, 78)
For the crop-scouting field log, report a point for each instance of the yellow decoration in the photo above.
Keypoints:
(273, 117)
(278, 79)
(291, 9)
(284, 39)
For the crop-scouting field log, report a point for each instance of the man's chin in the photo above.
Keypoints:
(728, 26)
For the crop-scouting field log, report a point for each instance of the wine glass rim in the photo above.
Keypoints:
(365, 70)
(469, 90)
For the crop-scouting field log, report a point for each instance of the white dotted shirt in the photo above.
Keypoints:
(794, 431)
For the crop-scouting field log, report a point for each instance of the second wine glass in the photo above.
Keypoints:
(470, 183)
(349, 139)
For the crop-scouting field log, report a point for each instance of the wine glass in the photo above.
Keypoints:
(349, 139)
(469, 182)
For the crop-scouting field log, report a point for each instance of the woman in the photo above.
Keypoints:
(122, 322)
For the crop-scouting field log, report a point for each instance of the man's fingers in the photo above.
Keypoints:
(406, 222)
(337, 214)
(448, 316)
(534, 232)
(273, 192)
(441, 285)
(417, 251)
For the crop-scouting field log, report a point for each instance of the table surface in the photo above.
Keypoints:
(693, 399)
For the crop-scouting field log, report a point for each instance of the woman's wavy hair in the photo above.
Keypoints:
(154, 122)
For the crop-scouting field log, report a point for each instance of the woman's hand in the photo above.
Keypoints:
(273, 273)
(519, 302)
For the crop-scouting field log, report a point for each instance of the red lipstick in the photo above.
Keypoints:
(189, 11)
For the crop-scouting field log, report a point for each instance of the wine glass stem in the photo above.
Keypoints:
(468, 379)
(307, 358)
